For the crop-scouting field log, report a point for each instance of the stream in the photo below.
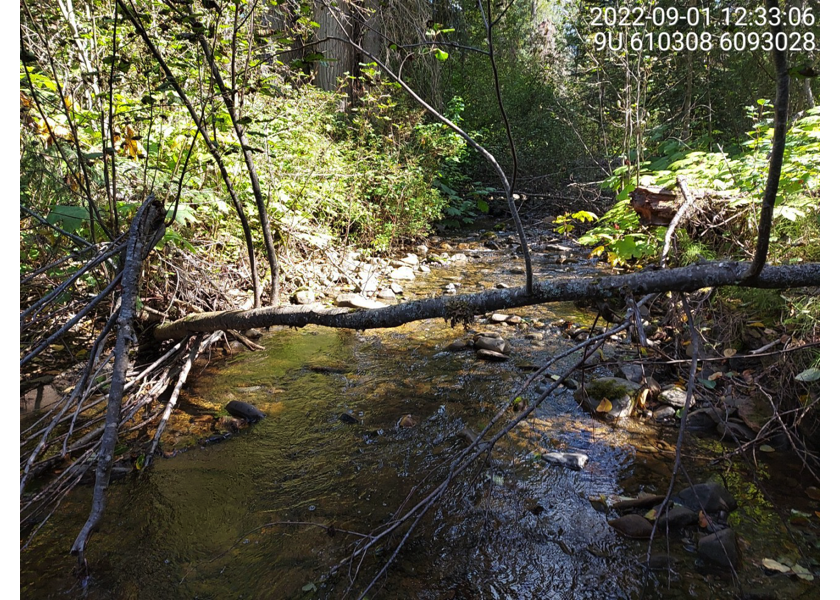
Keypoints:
(232, 519)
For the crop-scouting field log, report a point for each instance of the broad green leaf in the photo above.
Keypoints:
(812, 374)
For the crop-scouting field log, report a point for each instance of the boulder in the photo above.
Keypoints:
(368, 286)
(357, 301)
(303, 297)
(494, 344)
(675, 397)
(620, 393)
(348, 418)
(704, 419)
(709, 497)
(491, 355)
(720, 548)
(633, 526)
(734, 431)
(677, 518)
(664, 413)
(571, 460)
(458, 346)
(631, 372)
(402, 273)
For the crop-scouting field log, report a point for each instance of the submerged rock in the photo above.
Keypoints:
(734, 431)
(458, 346)
(246, 411)
(231, 424)
(720, 548)
(491, 355)
(676, 518)
(632, 526)
(660, 562)
(708, 497)
(407, 422)
(348, 418)
(643, 500)
(704, 419)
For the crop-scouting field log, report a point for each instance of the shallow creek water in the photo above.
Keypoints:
(195, 525)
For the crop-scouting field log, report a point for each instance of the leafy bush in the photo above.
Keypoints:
(742, 173)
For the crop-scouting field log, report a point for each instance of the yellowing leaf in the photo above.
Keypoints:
(51, 131)
(730, 352)
(772, 565)
(716, 375)
(604, 407)
(131, 146)
(802, 572)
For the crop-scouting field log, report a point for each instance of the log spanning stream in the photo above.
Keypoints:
(194, 525)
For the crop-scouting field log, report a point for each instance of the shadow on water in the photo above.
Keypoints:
(196, 525)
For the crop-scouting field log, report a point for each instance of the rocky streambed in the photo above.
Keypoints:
(356, 422)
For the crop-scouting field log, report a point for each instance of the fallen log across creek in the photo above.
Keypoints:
(461, 309)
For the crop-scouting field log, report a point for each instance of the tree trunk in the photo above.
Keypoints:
(339, 57)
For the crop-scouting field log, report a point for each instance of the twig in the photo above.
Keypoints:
(173, 398)
(689, 397)
(688, 204)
